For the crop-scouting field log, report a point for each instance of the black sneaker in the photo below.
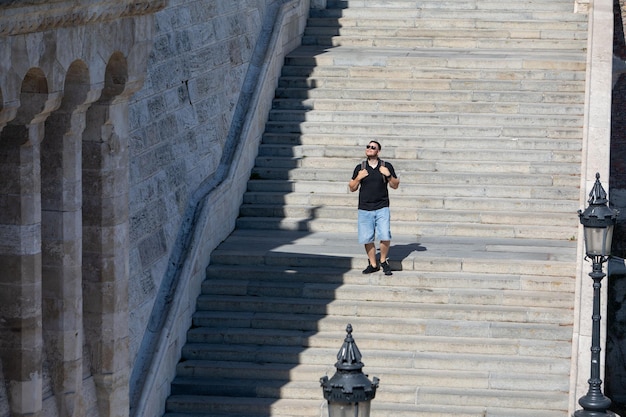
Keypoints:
(386, 267)
(371, 269)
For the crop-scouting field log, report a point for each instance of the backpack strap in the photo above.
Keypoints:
(365, 162)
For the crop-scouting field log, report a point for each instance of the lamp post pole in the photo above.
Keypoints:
(595, 403)
(598, 221)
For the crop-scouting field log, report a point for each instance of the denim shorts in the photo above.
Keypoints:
(374, 224)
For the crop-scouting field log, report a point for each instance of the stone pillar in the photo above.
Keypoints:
(106, 246)
(21, 343)
(61, 178)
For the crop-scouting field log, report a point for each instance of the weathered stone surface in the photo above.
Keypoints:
(75, 65)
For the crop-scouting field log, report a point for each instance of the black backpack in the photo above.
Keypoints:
(364, 163)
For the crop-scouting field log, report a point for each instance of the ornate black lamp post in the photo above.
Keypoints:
(349, 392)
(598, 221)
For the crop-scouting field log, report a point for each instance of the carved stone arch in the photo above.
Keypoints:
(10, 84)
(105, 239)
(115, 78)
(33, 98)
(20, 253)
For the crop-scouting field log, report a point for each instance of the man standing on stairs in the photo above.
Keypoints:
(373, 176)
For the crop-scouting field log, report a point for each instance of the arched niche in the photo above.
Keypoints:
(116, 77)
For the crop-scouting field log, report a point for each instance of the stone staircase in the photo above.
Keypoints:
(479, 106)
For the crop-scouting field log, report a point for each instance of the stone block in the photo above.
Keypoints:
(152, 248)
(318, 4)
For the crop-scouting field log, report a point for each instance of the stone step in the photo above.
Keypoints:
(434, 252)
(410, 208)
(561, 147)
(401, 391)
(567, 24)
(383, 360)
(435, 191)
(262, 371)
(421, 165)
(418, 170)
(462, 304)
(251, 407)
(408, 40)
(290, 169)
(521, 11)
(447, 229)
(327, 28)
(446, 59)
(428, 73)
(416, 279)
(203, 406)
(398, 394)
(416, 214)
(419, 183)
(562, 5)
(241, 329)
(463, 103)
(399, 91)
(299, 117)
(397, 145)
(411, 82)
(438, 129)
(268, 389)
(423, 202)
(405, 106)
(467, 102)
(406, 21)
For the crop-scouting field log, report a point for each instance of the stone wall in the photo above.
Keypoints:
(196, 127)
(179, 124)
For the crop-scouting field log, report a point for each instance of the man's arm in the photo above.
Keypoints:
(354, 183)
(394, 182)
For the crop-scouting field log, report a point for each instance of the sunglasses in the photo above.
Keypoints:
(371, 147)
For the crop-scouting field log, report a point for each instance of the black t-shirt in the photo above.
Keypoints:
(373, 192)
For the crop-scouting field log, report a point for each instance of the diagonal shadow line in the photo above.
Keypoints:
(270, 364)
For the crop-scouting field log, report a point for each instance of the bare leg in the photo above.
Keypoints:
(370, 249)
(384, 249)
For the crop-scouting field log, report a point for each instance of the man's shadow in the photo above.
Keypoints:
(401, 252)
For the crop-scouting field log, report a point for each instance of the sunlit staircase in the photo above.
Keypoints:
(478, 104)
